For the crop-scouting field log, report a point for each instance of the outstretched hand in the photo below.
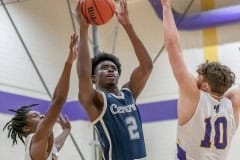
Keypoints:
(73, 48)
(64, 123)
(80, 18)
(122, 13)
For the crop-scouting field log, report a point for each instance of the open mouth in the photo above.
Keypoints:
(111, 77)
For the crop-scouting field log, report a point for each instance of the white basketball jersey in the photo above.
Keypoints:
(52, 155)
(208, 134)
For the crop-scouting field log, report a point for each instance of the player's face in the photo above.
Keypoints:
(106, 73)
(33, 119)
(202, 84)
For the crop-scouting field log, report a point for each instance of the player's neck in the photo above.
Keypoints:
(113, 90)
(216, 96)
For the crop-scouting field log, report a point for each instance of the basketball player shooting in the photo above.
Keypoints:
(207, 120)
(112, 110)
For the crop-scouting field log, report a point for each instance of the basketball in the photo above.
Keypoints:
(97, 12)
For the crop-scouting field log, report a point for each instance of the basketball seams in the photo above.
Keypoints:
(98, 12)
(110, 6)
(86, 12)
(82, 9)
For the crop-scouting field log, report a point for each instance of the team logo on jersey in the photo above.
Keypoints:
(115, 109)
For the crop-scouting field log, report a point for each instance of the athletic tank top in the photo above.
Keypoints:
(52, 155)
(208, 134)
(119, 128)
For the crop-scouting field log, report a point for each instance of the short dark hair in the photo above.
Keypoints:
(219, 76)
(103, 56)
(16, 124)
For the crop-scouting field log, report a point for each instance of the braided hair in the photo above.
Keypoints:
(15, 125)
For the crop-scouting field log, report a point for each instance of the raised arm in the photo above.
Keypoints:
(142, 72)
(66, 129)
(44, 129)
(189, 92)
(172, 43)
(87, 94)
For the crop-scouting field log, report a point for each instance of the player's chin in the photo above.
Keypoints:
(111, 83)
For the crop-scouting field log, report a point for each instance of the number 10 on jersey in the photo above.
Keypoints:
(220, 137)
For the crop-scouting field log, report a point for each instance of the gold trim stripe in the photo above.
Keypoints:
(209, 35)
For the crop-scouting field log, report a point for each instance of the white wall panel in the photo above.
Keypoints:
(16, 71)
(45, 27)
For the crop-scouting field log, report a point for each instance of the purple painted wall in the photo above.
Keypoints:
(156, 111)
(211, 18)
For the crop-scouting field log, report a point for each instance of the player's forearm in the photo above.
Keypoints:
(172, 43)
(59, 98)
(84, 59)
(60, 139)
(84, 69)
(62, 88)
(171, 36)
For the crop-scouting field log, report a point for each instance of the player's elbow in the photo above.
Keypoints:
(146, 67)
(147, 70)
(149, 66)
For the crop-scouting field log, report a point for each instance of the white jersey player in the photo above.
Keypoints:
(206, 120)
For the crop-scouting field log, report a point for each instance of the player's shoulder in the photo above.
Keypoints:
(233, 92)
(127, 92)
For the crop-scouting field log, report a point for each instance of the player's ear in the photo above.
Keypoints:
(205, 86)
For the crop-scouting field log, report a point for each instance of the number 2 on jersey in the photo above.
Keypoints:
(132, 128)
(220, 138)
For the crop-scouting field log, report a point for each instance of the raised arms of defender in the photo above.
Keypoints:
(41, 138)
(189, 92)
